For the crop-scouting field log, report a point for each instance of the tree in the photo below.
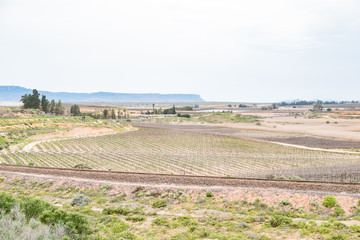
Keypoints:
(318, 107)
(106, 113)
(59, 109)
(170, 110)
(52, 107)
(44, 104)
(113, 116)
(75, 110)
(31, 100)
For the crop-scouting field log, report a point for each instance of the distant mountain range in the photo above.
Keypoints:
(14, 93)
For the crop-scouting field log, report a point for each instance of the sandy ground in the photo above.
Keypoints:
(272, 196)
(348, 129)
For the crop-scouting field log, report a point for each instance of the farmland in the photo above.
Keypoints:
(171, 151)
(228, 176)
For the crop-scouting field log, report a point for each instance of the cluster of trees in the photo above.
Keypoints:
(239, 106)
(303, 102)
(270, 107)
(186, 108)
(184, 115)
(32, 101)
(167, 111)
(121, 113)
(170, 110)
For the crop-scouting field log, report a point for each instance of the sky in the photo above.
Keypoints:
(224, 50)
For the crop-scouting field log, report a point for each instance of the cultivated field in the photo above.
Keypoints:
(157, 150)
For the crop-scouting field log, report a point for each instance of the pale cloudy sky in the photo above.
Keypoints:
(225, 50)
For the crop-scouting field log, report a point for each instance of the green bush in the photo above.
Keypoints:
(355, 228)
(127, 235)
(119, 210)
(284, 202)
(160, 222)
(6, 202)
(186, 221)
(279, 220)
(339, 212)
(159, 204)
(75, 223)
(33, 207)
(118, 227)
(329, 201)
(209, 194)
(340, 236)
(51, 217)
(135, 218)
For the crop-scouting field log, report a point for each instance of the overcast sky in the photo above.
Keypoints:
(224, 50)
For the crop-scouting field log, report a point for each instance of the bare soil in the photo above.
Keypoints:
(270, 196)
(76, 132)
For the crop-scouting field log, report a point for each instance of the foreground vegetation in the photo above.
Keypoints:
(100, 213)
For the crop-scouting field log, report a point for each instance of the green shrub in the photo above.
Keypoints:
(34, 207)
(75, 223)
(6, 202)
(339, 226)
(329, 201)
(339, 212)
(279, 220)
(160, 222)
(135, 218)
(51, 217)
(186, 221)
(82, 166)
(209, 194)
(264, 237)
(127, 235)
(284, 202)
(80, 200)
(355, 228)
(118, 227)
(159, 204)
(340, 236)
(119, 210)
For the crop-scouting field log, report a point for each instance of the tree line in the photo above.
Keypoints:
(303, 102)
(33, 101)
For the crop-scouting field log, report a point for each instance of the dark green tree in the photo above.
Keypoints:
(106, 113)
(31, 100)
(44, 104)
(113, 116)
(170, 110)
(75, 110)
(59, 109)
(52, 106)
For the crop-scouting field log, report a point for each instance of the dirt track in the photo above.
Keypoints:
(159, 179)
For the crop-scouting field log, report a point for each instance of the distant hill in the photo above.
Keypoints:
(14, 93)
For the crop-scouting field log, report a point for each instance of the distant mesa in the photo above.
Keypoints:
(14, 93)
